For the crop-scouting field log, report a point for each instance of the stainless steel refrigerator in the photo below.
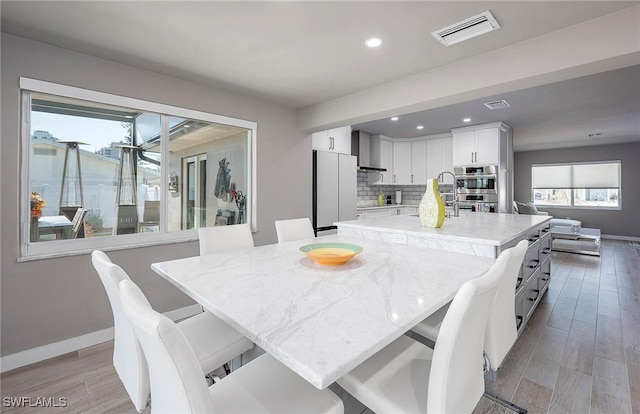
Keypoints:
(335, 190)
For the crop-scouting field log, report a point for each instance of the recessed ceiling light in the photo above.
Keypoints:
(420, 127)
(394, 118)
(466, 120)
(373, 42)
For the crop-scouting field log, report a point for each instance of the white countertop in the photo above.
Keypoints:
(494, 229)
(323, 321)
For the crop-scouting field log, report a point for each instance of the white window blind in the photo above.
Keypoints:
(587, 175)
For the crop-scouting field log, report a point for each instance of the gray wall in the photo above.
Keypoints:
(625, 222)
(46, 301)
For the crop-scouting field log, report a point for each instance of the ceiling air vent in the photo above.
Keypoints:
(466, 29)
(501, 104)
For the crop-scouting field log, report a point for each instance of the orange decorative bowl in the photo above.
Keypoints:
(331, 254)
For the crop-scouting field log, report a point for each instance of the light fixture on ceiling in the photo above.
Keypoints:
(419, 127)
(500, 104)
(373, 42)
(467, 29)
(466, 120)
(394, 118)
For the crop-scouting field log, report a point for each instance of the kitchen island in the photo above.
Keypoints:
(477, 234)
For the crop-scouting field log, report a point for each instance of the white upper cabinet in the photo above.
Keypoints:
(402, 162)
(409, 162)
(419, 162)
(333, 140)
(447, 158)
(478, 145)
(382, 157)
(440, 158)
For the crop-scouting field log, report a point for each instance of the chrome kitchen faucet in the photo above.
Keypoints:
(456, 210)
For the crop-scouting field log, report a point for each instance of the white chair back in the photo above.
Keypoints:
(502, 331)
(177, 384)
(223, 238)
(128, 358)
(294, 229)
(456, 381)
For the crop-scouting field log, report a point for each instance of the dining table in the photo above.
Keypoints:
(322, 321)
(59, 226)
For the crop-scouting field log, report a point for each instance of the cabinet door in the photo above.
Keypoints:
(341, 140)
(382, 212)
(487, 146)
(320, 141)
(464, 148)
(408, 210)
(434, 158)
(402, 162)
(386, 161)
(347, 187)
(327, 188)
(447, 159)
(419, 162)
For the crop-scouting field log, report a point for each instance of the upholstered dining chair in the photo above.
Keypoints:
(409, 377)
(294, 229)
(223, 238)
(213, 341)
(501, 331)
(262, 386)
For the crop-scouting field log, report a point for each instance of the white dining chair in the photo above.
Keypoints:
(224, 238)
(263, 385)
(409, 377)
(213, 341)
(502, 331)
(294, 229)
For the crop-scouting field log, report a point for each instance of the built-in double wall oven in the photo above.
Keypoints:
(477, 188)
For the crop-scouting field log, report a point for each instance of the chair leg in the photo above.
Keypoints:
(505, 403)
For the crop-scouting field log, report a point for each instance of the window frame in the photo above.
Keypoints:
(33, 251)
(571, 190)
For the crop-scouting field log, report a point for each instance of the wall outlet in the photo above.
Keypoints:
(399, 238)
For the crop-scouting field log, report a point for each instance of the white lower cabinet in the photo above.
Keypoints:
(386, 211)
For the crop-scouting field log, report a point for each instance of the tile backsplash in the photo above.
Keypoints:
(368, 194)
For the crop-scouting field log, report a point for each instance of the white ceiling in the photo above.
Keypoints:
(299, 53)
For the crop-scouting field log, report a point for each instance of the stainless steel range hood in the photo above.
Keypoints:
(361, 148)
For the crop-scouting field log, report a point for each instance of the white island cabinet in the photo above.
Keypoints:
(477, 234)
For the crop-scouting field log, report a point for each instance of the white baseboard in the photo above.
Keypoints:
(614, 237)
(40, 353)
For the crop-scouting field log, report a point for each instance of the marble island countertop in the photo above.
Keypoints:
(480, 234)
(323, 321)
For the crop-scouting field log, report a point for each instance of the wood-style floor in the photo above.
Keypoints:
(580, 353)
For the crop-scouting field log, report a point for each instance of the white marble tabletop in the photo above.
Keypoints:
(323, 321)
(495, 229)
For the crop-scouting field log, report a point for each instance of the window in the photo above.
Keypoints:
(104, 171)
(584, 185)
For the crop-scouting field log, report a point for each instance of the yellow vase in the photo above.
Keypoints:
(431, 210)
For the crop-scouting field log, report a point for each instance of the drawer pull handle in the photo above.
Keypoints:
(533, 264)
(519, 323)
(544, 279)
(546, 250)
